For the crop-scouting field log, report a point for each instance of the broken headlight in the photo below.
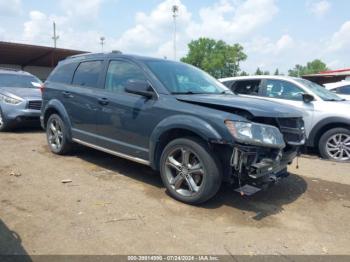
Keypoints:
(255, 134)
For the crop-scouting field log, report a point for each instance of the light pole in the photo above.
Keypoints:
(175, 10)
(55, 37)
(102, 42)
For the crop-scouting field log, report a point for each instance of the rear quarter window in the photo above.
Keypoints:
(63, 73)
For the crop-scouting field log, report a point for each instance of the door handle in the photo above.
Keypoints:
(67, 94)
(103, 101)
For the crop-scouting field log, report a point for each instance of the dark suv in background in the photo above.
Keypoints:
(173, 117)
(20, 98)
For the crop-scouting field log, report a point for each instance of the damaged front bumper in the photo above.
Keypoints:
(255, 168)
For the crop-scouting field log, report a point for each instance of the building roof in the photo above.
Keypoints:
(33, 55)
(329, 76)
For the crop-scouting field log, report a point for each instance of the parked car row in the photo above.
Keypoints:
(182, 122)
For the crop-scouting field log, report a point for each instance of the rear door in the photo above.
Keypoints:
(80, 100)
(125, 121)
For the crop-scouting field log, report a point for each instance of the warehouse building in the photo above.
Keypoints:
(37, 60)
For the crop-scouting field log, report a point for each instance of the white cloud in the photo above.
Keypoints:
(319, 8)
(341, 39)
(10, 7)
(82, 9)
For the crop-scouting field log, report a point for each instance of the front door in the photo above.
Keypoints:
(288, 93)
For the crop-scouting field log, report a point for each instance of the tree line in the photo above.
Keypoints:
(223, 60)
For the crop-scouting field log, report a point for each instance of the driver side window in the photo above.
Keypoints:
(282, 90)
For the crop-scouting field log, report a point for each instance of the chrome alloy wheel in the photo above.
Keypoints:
(338, 147)
(55, 135)
(184, 171)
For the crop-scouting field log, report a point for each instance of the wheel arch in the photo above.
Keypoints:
(323, 126)
(56, 107)
(176, 127)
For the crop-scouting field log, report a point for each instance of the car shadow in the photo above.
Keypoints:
(263, 204)
(33, 128)
(11, 248)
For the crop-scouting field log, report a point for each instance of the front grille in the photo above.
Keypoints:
(34, 105)
(292, 128)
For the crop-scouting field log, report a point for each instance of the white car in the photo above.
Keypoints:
(326, 115)
(341, 88)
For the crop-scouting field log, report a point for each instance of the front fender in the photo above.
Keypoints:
(314, 134)
(55, 105)
(190, 123)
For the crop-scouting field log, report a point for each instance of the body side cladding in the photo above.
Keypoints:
(181, 122)
(56, 105)
(329, 121)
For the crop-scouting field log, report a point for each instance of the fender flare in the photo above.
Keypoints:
(311, 141)
(59, 107)
(190, 123)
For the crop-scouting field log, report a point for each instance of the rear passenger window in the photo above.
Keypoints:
(88, 73)
(249, 87)
(119, 73)
(63, 73)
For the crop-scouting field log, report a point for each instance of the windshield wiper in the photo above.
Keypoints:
(186, 93)
(333, 99)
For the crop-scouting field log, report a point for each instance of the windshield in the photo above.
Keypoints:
(322, 92)
(181, 78)
(15, 80)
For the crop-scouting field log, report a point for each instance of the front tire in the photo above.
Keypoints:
(190, 171)
(57, 135)
(335, 144)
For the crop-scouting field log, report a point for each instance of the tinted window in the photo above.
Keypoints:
(180, 78)
(119, 73)
(283, 90)
(63, 73)
(344, 90)
(87, 73)
(248, 87)
(322, 92)
(14, 80)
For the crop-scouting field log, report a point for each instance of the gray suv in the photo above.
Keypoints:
(172, 117)
(20, 98)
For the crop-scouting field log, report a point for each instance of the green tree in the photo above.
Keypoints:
(215, 57)
(259, 72)
(244, 73)
(277, 72)
(312, 67)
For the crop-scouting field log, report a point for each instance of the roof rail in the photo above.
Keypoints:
(10, 69)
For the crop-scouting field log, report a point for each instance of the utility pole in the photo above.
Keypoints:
(55, 37)
(102, 42)
(175, 10)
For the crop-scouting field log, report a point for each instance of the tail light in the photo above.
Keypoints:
(42, 88)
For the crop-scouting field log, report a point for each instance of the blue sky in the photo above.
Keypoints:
(274, 33)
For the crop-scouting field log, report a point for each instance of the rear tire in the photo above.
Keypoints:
(335, 144)
(190, 171)
(57, 135)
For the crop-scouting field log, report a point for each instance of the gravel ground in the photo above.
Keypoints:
(113, 206)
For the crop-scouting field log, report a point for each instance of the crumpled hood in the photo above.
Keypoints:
(21, 92)
(257, 107)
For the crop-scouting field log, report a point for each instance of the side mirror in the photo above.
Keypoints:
(139, 87)
(307, 98)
